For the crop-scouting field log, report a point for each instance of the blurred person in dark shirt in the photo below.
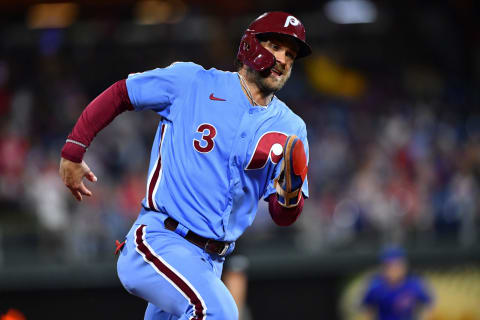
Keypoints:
(394, 293)
(235, 277)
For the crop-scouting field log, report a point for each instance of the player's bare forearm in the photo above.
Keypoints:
(72, 174)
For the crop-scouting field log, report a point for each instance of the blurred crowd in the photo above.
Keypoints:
(405, 173)
(390, 161)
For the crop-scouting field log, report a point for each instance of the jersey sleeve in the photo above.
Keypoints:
(302, 134)
(423, 293)
(160, 88)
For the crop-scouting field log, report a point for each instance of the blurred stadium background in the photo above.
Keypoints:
(391, 99)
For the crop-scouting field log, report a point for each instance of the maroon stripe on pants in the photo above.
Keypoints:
(163, 269)
(153, 182)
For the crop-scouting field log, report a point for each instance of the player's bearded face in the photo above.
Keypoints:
(285, 50)
(273, 79)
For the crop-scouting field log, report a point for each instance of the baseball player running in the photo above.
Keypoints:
(224, 141)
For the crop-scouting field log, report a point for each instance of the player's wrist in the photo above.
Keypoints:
(73, 151)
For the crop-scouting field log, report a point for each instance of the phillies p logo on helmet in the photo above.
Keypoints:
(291, 20)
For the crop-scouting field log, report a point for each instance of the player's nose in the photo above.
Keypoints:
(281, 56)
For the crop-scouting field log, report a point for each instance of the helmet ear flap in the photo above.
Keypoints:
(252, 53)
(257, 57)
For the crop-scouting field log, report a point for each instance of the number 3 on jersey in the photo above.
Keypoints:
(207, 143)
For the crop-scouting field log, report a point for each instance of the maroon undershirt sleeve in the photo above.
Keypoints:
(283, 216)
(96, 116)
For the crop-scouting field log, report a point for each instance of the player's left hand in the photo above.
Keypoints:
(72, 174)
(293, 172)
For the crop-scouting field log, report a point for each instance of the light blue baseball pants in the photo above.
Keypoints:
(178, 279)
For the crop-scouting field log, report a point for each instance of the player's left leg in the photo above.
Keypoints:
(176, 276)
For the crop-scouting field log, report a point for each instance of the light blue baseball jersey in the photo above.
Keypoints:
(214, 155)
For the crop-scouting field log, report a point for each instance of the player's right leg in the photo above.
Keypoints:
(175, 276)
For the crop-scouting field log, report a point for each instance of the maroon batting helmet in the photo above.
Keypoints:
(253, 54)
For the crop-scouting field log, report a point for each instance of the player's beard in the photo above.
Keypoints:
(267, 81)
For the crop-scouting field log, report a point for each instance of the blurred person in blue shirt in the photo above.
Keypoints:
(394, 293)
